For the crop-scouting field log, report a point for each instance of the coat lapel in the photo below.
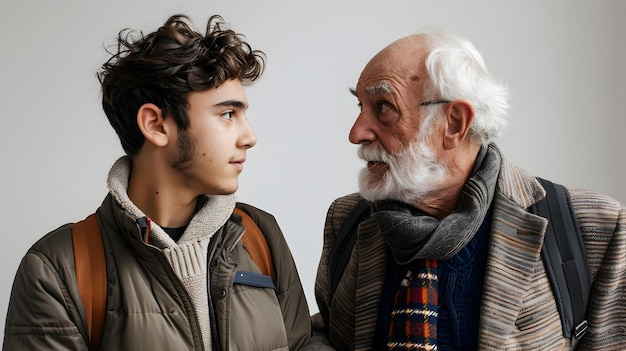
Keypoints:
(372, 254)
(514, 255)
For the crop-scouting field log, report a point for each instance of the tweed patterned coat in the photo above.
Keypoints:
(518, 309)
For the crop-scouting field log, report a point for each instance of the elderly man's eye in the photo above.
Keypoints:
(383, 107)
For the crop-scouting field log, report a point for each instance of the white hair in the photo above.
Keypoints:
(457, 71)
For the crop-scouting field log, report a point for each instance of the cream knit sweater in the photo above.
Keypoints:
(188, 256)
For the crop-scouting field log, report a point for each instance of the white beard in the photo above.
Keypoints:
(411, 175)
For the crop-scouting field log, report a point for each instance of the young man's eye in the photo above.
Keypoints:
(228, 114)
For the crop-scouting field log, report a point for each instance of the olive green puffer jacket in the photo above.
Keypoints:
(147, 306)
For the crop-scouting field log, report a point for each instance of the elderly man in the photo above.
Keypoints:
(448, 255)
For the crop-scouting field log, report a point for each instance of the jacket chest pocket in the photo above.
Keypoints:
(256, 319)
(248, 311)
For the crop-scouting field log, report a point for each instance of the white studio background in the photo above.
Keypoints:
(562, 59)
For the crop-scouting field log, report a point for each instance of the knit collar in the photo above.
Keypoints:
(213, 211)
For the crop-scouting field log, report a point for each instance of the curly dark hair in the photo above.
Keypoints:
(165, 66)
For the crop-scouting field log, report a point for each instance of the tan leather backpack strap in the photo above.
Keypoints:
(91, 278)
(256, 244)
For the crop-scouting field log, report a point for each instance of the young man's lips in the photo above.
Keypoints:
(238, 164)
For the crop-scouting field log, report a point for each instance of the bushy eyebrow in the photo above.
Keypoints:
(379, 88)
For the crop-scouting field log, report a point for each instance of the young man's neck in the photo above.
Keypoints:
(152, 189)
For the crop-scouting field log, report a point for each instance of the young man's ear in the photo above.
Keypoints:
(459, 117)
(152, 125)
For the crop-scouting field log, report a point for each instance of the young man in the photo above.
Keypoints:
(172, 244)
(449, 256)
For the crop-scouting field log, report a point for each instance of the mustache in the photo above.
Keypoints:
(374, 152)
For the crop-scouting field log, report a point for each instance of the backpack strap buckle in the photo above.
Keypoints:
(580, 329)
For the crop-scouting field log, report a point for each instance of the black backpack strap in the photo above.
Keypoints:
(565, 259)
(344, 242)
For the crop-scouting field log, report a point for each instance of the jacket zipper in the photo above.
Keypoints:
(213, 244)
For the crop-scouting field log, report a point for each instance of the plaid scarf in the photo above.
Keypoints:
(413, 323)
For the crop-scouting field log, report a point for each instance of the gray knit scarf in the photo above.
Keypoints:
(412, 234)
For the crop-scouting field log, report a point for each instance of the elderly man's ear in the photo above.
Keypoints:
(459, 115)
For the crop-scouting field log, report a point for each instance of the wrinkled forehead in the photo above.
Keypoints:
(401, 63)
